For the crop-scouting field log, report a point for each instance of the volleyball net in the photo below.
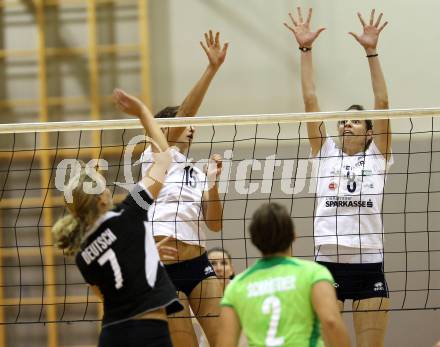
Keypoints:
(266, 158)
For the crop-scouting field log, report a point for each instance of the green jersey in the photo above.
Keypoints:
(273, 300)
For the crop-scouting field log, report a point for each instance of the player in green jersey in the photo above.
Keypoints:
(280, 300)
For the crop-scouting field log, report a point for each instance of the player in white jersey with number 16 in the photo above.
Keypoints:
(188, 205)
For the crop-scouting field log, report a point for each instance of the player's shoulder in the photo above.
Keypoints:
(267, 267)
(111, 220)
(305, 262)
(374, 153)
(314, 272)
(309, 265)
(147, 155)
(329, 148)
(300, 264)
(239, 280)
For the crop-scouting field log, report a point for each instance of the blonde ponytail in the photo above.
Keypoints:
(69, 230)
(67, 233)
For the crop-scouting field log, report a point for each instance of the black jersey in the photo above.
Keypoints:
(120, 257)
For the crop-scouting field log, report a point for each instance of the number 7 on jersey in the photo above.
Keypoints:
(111, 257)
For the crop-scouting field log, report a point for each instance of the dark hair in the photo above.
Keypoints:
(272, 229)
(368, 122)
(356, 107)
(222, 250)
(167, 112)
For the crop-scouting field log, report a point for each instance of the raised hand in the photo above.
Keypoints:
(135, 107)
(369, 38)
(213, 49)
(301, 29)
(213, 169)
(128, 104)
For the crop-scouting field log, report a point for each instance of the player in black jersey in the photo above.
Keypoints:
(115, 253)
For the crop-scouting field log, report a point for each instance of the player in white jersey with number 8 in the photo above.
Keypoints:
(351, 175)
(280, 300)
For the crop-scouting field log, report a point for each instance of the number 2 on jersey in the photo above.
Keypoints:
(111, 257)
(272, 305)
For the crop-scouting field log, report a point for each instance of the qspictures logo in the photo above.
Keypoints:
(294, 176)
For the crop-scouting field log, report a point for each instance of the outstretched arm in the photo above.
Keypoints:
(305, 38)
(216, 54)
(211, 204)
(368, 40)
(155, 176)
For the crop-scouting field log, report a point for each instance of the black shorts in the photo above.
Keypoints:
(358, 281)
(136, 333)
(186, 275)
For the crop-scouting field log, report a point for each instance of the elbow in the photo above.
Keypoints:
(213, 214)
(184, 112)
(335, 333)
(329, 323)
(187, 109)
(310, 100)
(215, 226)
(382, 102)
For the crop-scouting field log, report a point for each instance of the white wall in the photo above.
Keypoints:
(261, 74)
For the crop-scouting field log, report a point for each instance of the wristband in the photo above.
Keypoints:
(372, 55)
(305, 49)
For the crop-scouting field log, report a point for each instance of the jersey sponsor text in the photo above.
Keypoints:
(355, 203)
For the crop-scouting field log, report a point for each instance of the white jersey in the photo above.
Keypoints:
(349, 197)
(177, 211)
